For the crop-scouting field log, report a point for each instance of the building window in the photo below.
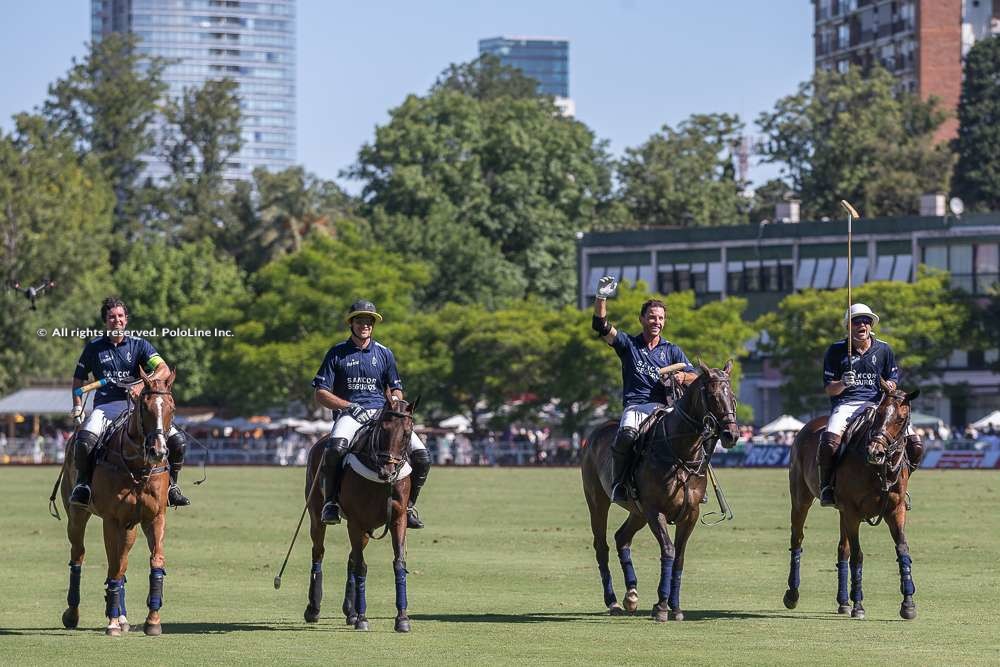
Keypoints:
(844, 36)
(987, 267)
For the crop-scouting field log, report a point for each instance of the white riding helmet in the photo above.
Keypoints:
(860, 309)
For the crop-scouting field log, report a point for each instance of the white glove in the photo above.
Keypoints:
(77, 414)
(850, 378)
(606, 287)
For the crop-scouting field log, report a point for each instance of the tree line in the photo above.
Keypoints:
(464, 232)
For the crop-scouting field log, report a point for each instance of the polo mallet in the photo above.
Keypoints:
(852, 213)
(725, 511)
(79, 391)
(312, 488)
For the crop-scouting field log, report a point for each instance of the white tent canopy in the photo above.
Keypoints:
(460, 423)
(992, 419)
(782, 423)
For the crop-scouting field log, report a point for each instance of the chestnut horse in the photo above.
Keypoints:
(129, 488)
(871, 480)
(383, 447)
(670, 474)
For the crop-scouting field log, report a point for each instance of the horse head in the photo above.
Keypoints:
(156, 412)
(392, 441)
(719, 403)
(889, 425)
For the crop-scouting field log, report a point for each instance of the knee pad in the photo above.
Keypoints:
(176, 446)
(420, 459)
(87, 440)
(336, 448)
(829, 439)
(626, 438)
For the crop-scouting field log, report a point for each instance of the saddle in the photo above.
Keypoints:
(640, 447)
(857, 425)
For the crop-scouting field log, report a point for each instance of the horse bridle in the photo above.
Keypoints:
(889, 444)
(394, 461)
(711, 427)
(157, 432)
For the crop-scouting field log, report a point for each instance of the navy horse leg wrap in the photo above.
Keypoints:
(675, 590)
(793, 569)
(609, 591)
(155, 599)
(400, 568)
(906, 586)
(316, 585)
(73, 597)
(360, 604)
(843, 575)
(349, 588)
(666, 577)
(625, 558)
(121, 597)
(112, 598)
(857, 595)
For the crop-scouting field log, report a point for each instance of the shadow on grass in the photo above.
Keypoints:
(172, 628)
(644, 614)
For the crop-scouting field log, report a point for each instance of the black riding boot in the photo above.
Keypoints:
(84, 445)
(176, 446)
(420, 460)
(621, 460)
(336, 448)
(828, 444)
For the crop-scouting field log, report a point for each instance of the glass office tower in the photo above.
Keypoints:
(252, 43)
(545, 59)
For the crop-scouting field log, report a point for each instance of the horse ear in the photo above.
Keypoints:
(143, 375)
(885, 386)
(728, 367)
(414, 404)
(170, 380)
(912, 395)
(704, 369)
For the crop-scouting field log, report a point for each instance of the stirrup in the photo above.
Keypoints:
(413, 519)
(175, 498)
(331, 513)
(827, 498)
(80, 495)
(619, 493)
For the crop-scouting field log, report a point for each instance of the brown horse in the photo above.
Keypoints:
(871, 485)
(670, 476)
(383, 447)
(129, 489)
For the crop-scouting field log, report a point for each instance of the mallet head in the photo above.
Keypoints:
(277, 582)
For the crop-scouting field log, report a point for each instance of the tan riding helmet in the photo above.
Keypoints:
(860, 309)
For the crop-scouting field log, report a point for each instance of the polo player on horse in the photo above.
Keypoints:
(352, 381)
(116, 356)
(642, 357)
(853, 385)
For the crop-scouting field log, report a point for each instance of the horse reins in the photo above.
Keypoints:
(372, 454)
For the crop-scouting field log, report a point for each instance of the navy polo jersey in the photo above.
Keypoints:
(878, 361)
(641, 366)
(359, 375)
(103, 359)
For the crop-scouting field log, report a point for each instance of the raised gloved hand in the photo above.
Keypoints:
(606, 287)
(358, 413)
(850, 379)
(77, 414)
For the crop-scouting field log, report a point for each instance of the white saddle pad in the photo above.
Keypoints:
(357, 466)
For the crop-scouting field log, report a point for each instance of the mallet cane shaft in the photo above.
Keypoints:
(312, 489)
(852, 213)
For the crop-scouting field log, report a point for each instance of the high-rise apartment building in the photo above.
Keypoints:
(252, 43)
(545, 59)
(922, 42)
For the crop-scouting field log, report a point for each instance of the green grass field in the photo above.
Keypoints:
(503, 574)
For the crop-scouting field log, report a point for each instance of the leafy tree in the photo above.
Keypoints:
(184, 288)
(848, 136)
(685, 177)
(918, 320)
(55, 223)
(511, 170)
(766, 198)
(977, 172)
(486, 78)
(202, 134)
(297, 313)
(273, 215)
(108, 103)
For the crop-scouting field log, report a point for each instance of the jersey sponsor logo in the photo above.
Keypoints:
(352, 362)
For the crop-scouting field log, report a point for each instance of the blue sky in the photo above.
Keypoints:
(634, 64)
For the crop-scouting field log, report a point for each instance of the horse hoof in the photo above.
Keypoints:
(152, 629)
(791, 599)
(676, 615)
(660, 615)
(402, 625)
(311, 614)
(631, 601)
(858, 613)
(908, 612)
(124, 626)
(351, 620)
(844, 609)
(616, 610)
(362, 625)
(113, 632)
(71, 618)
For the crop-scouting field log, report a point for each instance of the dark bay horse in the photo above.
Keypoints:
(129, 489)
(383, 448)
(871, 481)
(671, 481)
